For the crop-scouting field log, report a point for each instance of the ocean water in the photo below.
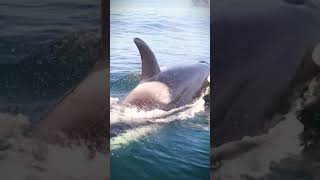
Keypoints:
(174, 144)
(41, 45)
(30, 23)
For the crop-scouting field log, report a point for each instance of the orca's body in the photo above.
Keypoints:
(261, 50)
(167, 89)
(83, 111)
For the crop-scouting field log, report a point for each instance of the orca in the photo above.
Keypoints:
(166, 89)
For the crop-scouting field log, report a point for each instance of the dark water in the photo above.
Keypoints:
(28, 23)
(175, 147)
(46, 47)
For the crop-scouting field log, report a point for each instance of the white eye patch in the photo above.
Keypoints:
(316, 54)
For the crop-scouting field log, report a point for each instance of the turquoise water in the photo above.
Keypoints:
(175, 146)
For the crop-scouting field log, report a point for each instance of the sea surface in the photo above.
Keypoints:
(43, 51)
(176, 144)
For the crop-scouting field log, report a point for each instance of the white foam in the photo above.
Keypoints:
(131, 135)
(135, 115)
(60, 162)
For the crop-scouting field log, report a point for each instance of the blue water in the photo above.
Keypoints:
(179, 146)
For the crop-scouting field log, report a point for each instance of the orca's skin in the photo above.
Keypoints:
(83, 111)
(171, 88)
(261, 51)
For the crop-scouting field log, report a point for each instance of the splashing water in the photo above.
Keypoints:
(124, 119)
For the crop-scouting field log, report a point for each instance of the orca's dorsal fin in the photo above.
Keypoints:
(149, 62)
